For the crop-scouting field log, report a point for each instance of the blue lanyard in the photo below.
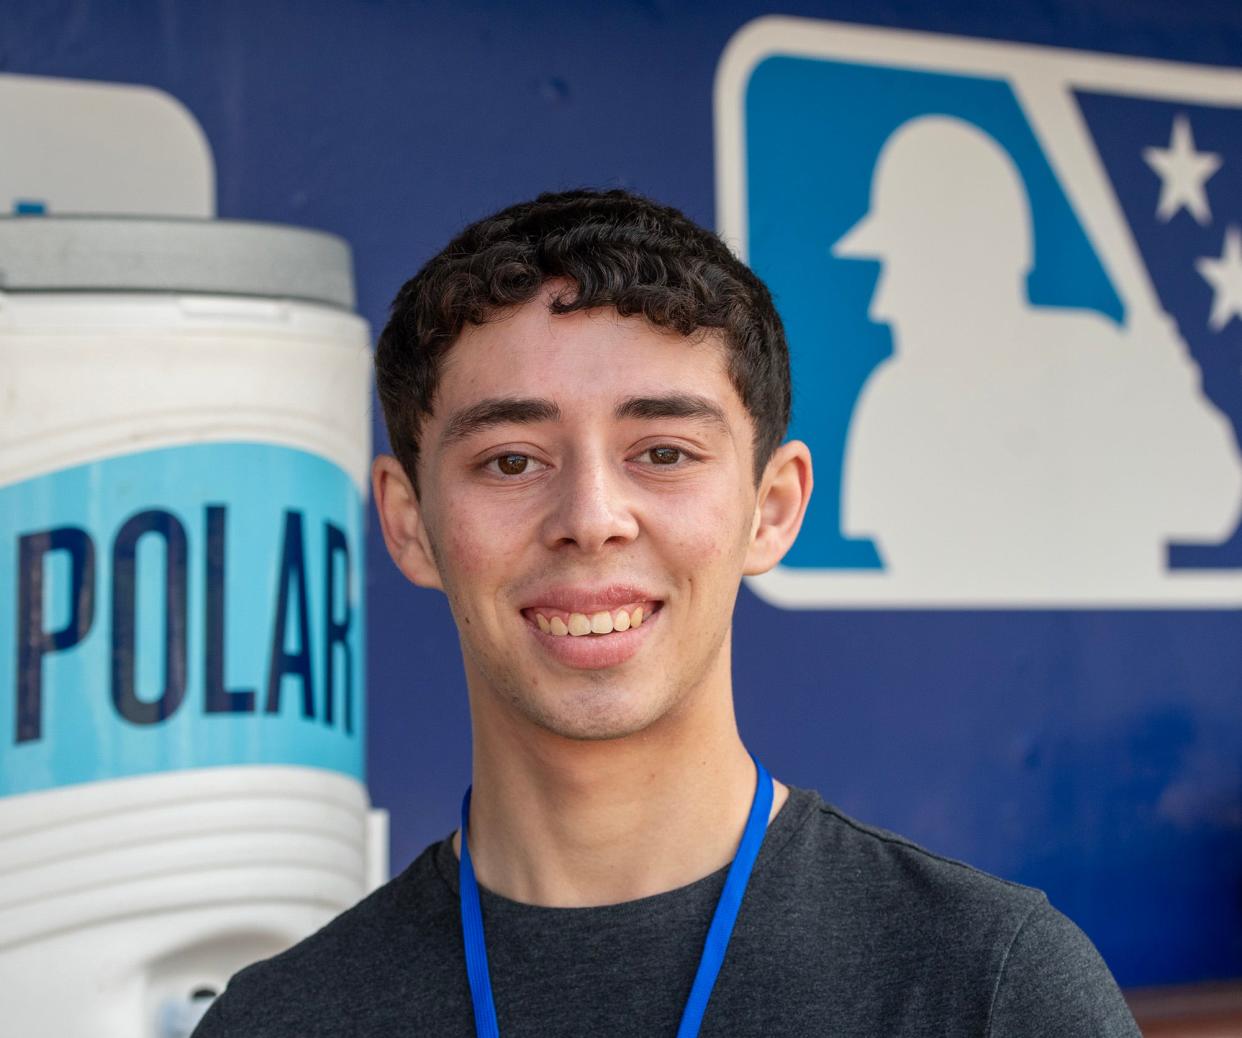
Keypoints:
(714, 946)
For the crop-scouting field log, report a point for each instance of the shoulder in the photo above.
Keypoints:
(876, 872)
(955, 941)
(1053, 982)
(361, 957)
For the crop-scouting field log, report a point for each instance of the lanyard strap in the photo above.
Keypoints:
(714, 947)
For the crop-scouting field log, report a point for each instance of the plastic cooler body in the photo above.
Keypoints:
(183, 480)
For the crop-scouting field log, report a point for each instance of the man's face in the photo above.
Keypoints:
(580, 465)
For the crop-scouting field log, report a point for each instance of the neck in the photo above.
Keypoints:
(575, 823)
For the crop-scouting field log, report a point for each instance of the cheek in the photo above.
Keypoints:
(478, 555)
(477, 541)
(711, 538)
(462, 568)
(462, 555)
(467, 548)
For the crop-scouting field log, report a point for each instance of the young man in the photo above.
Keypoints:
(587, 397)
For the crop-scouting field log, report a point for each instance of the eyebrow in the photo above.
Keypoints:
(673, 405)
(530, 410)
(498, 411)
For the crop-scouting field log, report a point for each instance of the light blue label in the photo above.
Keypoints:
(180, 608)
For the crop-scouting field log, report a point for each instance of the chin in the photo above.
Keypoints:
(591, 730)
(594, 715)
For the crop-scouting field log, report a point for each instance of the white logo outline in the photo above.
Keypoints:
(1043, 81)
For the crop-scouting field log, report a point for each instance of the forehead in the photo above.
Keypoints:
(585, 361)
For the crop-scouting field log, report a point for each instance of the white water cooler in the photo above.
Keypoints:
(184, 446)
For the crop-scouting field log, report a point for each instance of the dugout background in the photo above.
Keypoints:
(1042, 745)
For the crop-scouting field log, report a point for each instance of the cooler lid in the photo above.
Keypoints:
(52, 253)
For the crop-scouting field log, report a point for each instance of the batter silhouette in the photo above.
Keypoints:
(1004, 442)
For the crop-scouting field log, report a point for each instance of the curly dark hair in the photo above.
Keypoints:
(619, 250)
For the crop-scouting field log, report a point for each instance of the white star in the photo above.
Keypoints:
(1183, 174)
(1225, 276)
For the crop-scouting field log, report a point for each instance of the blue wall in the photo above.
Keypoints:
(1037, 745)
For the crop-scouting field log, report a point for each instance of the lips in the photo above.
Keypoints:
(581, 628)
(565, 599)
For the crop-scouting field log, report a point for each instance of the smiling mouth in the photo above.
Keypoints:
(561, 623)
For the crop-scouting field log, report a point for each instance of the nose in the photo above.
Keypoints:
(592, 506)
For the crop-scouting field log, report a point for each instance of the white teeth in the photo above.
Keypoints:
(597, 623)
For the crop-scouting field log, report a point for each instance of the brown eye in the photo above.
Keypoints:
(512, 464)
(665, 455)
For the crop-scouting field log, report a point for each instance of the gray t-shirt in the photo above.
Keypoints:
(845, 930)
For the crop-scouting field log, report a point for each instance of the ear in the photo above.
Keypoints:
(784, 493)
(401, 520)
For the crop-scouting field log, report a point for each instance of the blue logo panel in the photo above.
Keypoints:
(180, 608)
(811, 148)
